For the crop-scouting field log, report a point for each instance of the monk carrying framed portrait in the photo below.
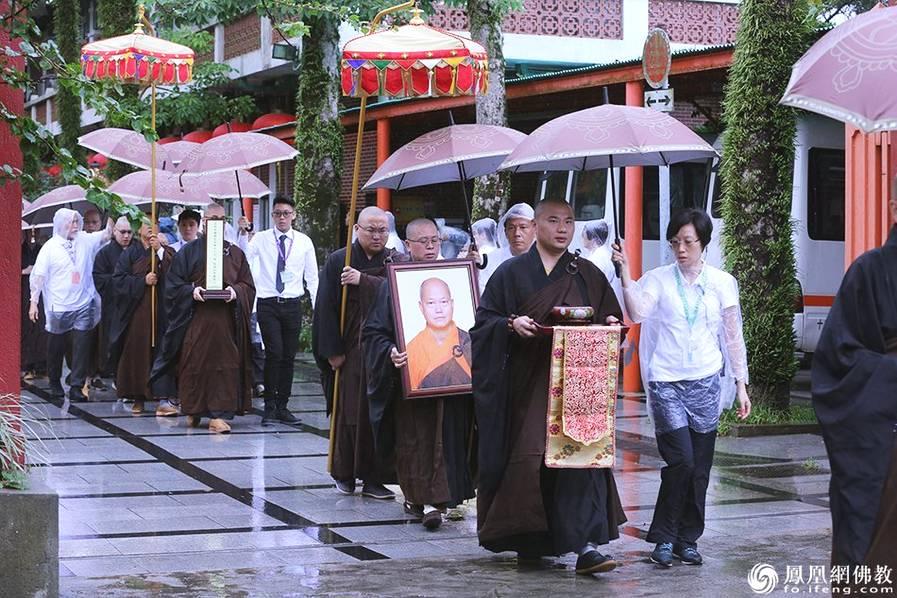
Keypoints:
(434, 305)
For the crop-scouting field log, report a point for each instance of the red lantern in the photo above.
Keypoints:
(198, 136)
(235, 127)
(271, 120)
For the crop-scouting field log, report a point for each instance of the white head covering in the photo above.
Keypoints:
(485, 227)
(393, 241)
(62, 220)
(503, 253)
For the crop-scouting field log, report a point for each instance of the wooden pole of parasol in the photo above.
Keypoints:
(356, 173)
(153, 212)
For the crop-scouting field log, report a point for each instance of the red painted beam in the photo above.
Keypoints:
(10, 238)
(384, 196)
(632, 376)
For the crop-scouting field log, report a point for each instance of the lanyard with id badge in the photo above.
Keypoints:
(76, 274)
(691, 312)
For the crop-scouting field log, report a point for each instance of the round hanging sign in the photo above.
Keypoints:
(656, 58)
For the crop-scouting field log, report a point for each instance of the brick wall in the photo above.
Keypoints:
(706, 23)
(368, 163)
(601, 19)
(242, 36)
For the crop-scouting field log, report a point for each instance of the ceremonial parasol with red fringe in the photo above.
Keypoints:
(413, 60)
(144, 60)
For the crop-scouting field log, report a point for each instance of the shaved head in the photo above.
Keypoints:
(422, 240)
(413, 228)
(369, 213)
(372, 230)
(554, 225)
(543, 205)
(436, 303)
(434, 285)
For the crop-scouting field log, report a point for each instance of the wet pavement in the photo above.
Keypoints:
(150, 506)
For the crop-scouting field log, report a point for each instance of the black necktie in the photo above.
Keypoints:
(281, 262)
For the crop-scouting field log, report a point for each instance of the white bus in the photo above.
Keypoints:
(817, 210)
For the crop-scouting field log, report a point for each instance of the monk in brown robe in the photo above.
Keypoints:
(522, 505)
(207, 342)
(131, 327)
(432, 434)
(354, 453)
(439, 355)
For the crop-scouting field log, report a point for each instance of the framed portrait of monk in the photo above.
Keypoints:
(434, 304)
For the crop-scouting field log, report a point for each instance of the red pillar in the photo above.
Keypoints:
(10, 238)
(384, 196)
(871, 163)
(632, 234)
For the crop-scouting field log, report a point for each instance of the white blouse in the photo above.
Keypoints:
(689, 350)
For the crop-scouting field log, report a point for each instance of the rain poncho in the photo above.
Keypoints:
(484, 233)
(63, 274)
(393, 242)
(520, 210)
(454, 240)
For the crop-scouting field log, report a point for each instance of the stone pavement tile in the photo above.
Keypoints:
(335, 517)
(88, 517)
(65, 571)
(117, 502)
(181, 483)
(279, 539)
(377, 533)
(760, 509)
(105, 566)
(184, 511)
(79, 487)
(210, 561)
(794, 447)
(208, 499)
(767, 527)
(723, 491)
(411, 550)
(165, 524)
(800, 486)
(71, 527)
(253, 519)
(461, 546)
(210, 542)
(312, 556)
(84, 548)
(69, 428)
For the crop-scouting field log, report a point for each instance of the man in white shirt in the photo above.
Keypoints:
(63, 272)
(283, 266)
(188, 227)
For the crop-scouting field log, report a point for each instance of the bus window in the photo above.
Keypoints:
(556, 185)
(825, 194)
(589, 193)
(687, 189)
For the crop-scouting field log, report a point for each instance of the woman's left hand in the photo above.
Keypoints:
(744, 402)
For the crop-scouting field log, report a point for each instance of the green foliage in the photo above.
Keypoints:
(319, 135)
(766, 415)
(18, 421)
(67, 26)
(756, 173)
(116, 17)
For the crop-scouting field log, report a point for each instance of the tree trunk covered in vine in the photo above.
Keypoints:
(756, 173)
(490, 192)
(67, 26)
(319, 135)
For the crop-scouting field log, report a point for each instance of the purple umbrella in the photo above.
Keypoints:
(454, 153)
(125, 146)
(224, 185)
(608, 136)
(42, 209)
(177, 151)
(848, 75)
(136, 189)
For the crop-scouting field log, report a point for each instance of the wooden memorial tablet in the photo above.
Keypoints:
(214, 288)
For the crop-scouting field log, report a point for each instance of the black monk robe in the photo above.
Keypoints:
(103, 271)
(522, 505)
(354, 454)
(130, 334)
(206, 345)
(432, 434)
(854, 386)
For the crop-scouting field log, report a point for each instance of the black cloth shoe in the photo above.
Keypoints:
(688, 555)
(56, 391)
(76, 396)
(345, 486)
(432, 519)
(285, 416)
(594, 562)
(269, 416)
(413, 509)
(378, 491)
(98, 384)
(663, 554)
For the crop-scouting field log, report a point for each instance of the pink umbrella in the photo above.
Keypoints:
(136, 189)
(125, 146)
(455, 153)
(608, 136)
(42, 209)
(26, 226)
(848, 74)
(223, 185)
(177, 151)
(236, 151)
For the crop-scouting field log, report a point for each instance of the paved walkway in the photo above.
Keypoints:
(150, 505)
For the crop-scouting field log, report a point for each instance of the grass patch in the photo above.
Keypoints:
(761, 414)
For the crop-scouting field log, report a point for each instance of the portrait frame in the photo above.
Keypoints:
(405, 281)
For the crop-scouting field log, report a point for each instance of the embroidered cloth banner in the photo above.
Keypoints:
(581, 397)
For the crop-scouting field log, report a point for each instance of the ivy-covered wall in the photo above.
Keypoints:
(319, 135)
(757, 170)
(67, 26)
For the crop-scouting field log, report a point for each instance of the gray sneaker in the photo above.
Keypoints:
(663, 554)
(688, 555)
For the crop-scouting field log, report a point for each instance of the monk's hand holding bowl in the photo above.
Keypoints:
(233, 294)
(197, 294)
(612, 321)
(399, 360)
(151, 279)
(524, 326)
(350, 276)
(336, 361)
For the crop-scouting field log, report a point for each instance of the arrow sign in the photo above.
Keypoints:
(660, 100)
